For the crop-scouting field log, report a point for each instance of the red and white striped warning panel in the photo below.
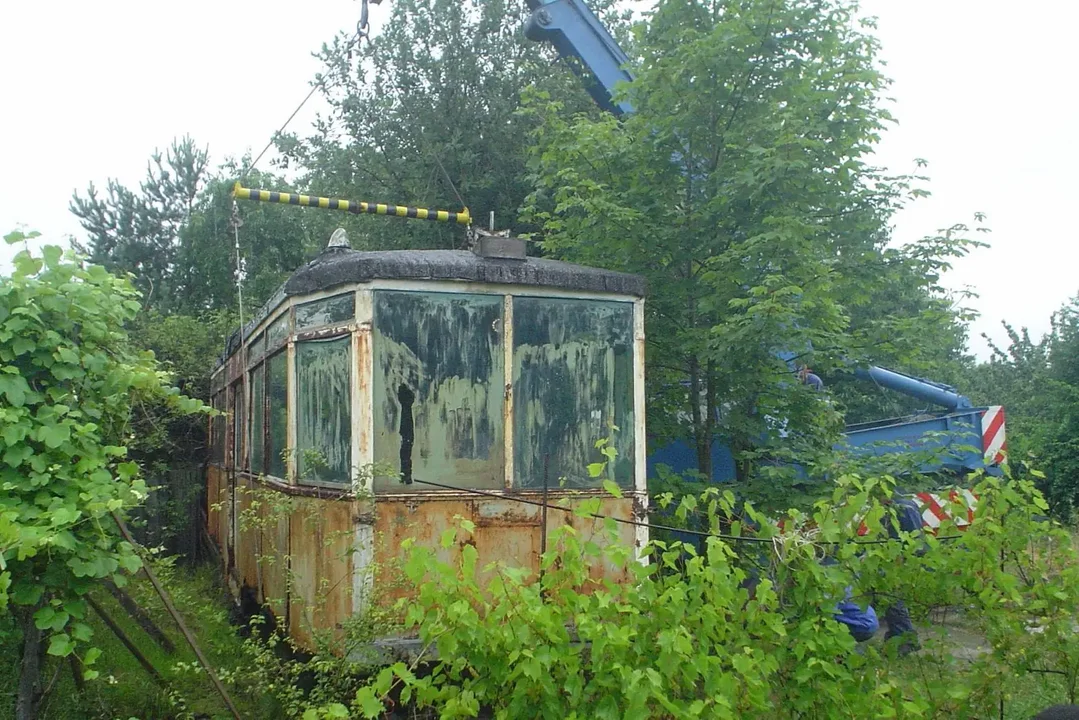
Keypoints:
(993, 435)
(936, 510)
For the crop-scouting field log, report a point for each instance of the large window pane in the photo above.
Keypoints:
(258, 421)
(277, 399)
(438, 389)
(323, 431)
(572, 381)
(330, 311)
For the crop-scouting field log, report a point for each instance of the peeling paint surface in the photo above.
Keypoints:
(258, 419)
(277, 414)
(506, 531)
(323, 418)
(275, 558)
(438, 389)
(337, 309)
(247, 535)
(321, 538)
(277, 332)
(572, 383)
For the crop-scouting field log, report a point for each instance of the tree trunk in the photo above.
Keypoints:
(703, 449)
(28, 696)
(709, 419)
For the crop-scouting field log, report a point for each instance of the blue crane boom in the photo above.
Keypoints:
(576, 32)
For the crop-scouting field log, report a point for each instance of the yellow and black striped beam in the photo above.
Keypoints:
(359, 208)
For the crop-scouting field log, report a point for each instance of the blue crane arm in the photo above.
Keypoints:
(928, 390)
(575, 31)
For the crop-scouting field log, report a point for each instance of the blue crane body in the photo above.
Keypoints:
(957, 438)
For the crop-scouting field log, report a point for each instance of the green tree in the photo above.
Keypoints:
(766, 234)
(138, 231)
(176, 235)
(902, 318)
(1037, 382)
(68, 379)
(426, 114)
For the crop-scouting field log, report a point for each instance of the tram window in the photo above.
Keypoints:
(324, 412)
(328, 311)
(438, 390)
(277, 402)
(258, 421)
(257, 348)
(572, 383)
(277, 333)
(236, 394)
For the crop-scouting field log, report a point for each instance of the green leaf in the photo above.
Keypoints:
(370, 705)
(612, 487)
(60, 645)
(596, 469)
(17, 237)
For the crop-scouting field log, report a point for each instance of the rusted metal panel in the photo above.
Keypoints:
(247, 534)
(592, 530)
(219, 512)
(274, 558)
(215, 482)
(320, 541)
(506, 531)
(235, 367)
(420, 517)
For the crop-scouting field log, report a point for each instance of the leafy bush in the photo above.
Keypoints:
(691, 635)
(68, 379)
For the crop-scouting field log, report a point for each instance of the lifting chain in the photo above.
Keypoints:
(235, 221)
(362, 28)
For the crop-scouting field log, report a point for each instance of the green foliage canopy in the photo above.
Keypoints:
(768, 230)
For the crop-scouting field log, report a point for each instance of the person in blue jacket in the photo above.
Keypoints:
(862, 622)
(896, 615)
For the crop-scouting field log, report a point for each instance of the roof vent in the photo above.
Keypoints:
(497, 245)
(339, 240)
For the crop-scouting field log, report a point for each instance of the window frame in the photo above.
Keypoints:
(260, 362)
(329, 332)
(497, 298)
(360, 328)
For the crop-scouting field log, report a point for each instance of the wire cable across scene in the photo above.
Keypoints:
(655, 526)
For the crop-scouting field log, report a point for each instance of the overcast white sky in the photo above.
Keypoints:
(985, 91)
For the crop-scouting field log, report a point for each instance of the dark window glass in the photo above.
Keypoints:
(572, 384)
(339, 309)
(237, 424)
(258, 421)
(277, 399)
(438, 389)
(323, 417)
(257, 348)
(277, 333)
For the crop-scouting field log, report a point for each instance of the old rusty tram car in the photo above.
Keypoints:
(370, 374)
